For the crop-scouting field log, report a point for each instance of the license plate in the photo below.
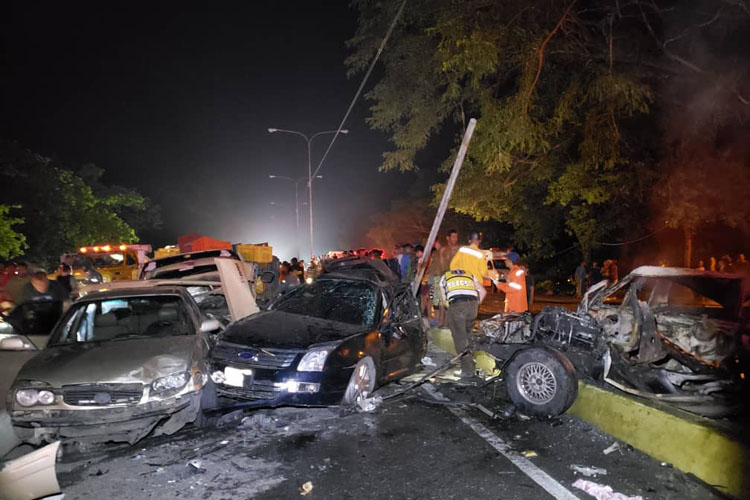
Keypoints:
(236, 376)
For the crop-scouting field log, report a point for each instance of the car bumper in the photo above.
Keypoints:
(117, 423)
(271, 387)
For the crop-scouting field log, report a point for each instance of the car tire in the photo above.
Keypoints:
(209, 400)
(541, 382)
(361, 383)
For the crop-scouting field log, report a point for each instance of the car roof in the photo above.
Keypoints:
(660, 272)
(146, 291)
(357, 268)
(173, 259)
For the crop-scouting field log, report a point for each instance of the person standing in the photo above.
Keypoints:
(66, 279)
(445, 255)
(435, 272)
(463, 289)
(41, 288)
(580, 276)
(17, 283)
(516, 299)
(596, 275)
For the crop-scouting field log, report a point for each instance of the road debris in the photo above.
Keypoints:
(196, 467)
(529, 454)
(602, 491)
(306, 488)
(588, 471)
(369, 404)
(427, 361)
(612, 448)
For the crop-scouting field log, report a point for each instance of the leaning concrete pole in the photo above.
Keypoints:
(443, 204)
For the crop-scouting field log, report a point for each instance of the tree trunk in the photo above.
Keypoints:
(688, 247)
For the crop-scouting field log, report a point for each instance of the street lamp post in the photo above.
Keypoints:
(308, 140)
(296, 190)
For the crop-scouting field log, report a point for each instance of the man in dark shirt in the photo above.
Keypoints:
(41, 288)
(66, 279)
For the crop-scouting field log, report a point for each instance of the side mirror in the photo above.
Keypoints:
(16, 343)
(267, 277)
(210, 325)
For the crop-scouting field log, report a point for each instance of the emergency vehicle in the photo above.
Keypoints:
(108, 262)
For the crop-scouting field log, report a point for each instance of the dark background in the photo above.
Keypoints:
(175, 99)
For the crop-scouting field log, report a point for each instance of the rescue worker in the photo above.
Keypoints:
(463, 291)
(515, 286)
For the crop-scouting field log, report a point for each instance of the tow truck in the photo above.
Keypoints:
(108, 262)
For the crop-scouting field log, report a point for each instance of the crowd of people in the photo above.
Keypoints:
(585, 277)
(726, 264)
(20, 284)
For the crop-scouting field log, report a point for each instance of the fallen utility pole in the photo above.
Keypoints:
(443, 204)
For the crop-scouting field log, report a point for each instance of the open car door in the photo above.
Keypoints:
(236, 289)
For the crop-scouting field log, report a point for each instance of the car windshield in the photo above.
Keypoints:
(115, 319)
(345, 301)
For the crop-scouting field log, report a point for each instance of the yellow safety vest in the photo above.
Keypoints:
(458, 283)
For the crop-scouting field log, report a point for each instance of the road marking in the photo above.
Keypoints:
(536, 474)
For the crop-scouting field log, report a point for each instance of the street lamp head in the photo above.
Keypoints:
(344, 131)
(272, 130)
(318, 176)
(271, 176)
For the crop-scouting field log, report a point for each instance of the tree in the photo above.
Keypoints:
(12, 243)
(60, 211)
(561, 89)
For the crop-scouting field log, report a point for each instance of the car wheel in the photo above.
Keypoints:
(541, 382)
(209, 400)
(361, 383)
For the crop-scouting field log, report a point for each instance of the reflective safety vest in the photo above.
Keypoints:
(458, 283)
(471, 260)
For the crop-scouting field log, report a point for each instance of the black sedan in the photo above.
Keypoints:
(333, 341)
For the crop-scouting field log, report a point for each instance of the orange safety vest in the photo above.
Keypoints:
(515, 290)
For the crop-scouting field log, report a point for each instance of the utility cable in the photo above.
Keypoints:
(361, 85)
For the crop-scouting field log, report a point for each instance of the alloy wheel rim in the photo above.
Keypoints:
(536, 383)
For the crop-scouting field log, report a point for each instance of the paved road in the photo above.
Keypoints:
(410, 447)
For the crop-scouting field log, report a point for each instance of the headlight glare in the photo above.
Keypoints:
(314, 360)
(170, 382)
(27, 397)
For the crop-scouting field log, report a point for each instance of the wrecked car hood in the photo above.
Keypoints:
(285, 330)
(125, 361)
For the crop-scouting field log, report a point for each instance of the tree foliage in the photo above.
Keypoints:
(60, 211)
(561, 89)
(12, 243)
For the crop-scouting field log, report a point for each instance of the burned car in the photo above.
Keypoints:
(667, 334)
(332, 341)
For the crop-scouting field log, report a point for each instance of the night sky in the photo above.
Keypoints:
(175, 99)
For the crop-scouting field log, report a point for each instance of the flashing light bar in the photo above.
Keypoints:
(103, 248)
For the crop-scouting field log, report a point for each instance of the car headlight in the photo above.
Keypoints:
(30, 397)
(170, 382)
(314, 360)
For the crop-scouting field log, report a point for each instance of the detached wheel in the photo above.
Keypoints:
(541, 382)
(361, 383)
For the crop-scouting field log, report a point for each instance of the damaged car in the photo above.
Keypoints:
(123, 363)
(333, 341)
(671, 335)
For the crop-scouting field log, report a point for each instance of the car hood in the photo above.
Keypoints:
(285, 330)
(125, 361)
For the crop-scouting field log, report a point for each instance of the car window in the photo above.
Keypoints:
(131, 317)
(345, 301)
(181, 272)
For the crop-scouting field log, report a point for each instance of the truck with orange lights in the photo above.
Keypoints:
(108, 262)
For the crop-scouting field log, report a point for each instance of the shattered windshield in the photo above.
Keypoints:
(123, 318)
(345, 301)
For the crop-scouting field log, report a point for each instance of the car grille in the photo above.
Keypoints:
(260, 389)
(272, 359)
(102, 394)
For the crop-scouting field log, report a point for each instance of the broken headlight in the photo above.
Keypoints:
(170, 382)
(314, 360)
(31, 397)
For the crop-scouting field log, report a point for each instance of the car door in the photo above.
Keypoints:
(236, 289)
(402, 335)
